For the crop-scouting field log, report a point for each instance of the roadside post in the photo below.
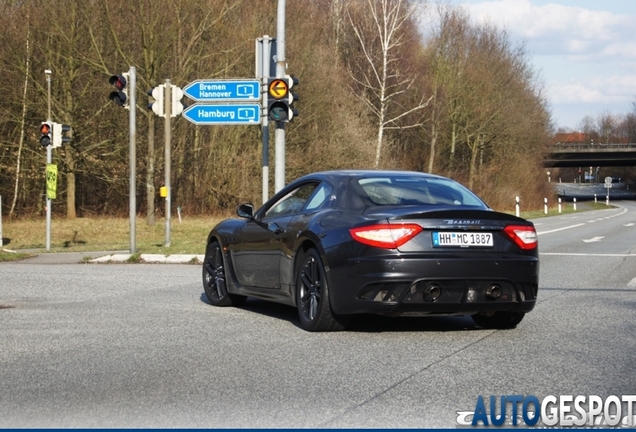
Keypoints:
(49, 158)
(265, 67)
(124, 96)
(279, 174)
(167, 100)
(608, 185)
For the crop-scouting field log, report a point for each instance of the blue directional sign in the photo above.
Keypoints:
(224, 114)
(224, 90)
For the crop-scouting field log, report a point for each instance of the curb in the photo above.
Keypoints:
(151, 258)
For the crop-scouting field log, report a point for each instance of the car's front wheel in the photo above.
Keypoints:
(214, 282)
(499, 320)
(312, 296)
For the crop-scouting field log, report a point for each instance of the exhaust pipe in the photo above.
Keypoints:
(493, 292)
(431, 292)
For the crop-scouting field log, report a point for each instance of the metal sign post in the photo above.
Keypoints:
(168, 109)
(264, 68)
(279, 175)
(608, 185)
(132, 157)
(49, 158)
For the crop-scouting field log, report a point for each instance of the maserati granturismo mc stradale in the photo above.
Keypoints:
(339, 243)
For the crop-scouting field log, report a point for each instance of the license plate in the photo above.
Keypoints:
(462, 239)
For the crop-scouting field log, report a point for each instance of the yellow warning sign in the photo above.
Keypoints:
(51, 181)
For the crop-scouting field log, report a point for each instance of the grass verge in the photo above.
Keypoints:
(108, 234)
(12, 256)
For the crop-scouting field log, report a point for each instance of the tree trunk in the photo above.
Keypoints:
(70, 184)
(474, 150)
(150, 171)
(22, 124)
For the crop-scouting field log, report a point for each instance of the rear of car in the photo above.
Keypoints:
(427, 245)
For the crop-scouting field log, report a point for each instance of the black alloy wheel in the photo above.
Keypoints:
(214, 282)
(312, 296)
(499, 320)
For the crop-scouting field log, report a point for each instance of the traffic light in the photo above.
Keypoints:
(176, 94)
(120, 97)
(46, 129)
(59, 134)
(278, 99)
(157, 106)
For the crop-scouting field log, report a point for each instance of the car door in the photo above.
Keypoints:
(257, 256)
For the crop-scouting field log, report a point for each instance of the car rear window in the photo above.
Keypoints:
(400, 190)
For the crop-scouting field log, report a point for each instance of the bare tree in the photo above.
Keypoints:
(27, 71)
(380, 74)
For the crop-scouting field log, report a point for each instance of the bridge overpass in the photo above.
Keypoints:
(579, 155)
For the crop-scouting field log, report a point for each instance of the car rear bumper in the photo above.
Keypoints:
(425, 285)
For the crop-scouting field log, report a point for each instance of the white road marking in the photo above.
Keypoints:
(629, 224)
(632, 283)
(560, 229)
(594, 239)
(587, 254)
(581, 224)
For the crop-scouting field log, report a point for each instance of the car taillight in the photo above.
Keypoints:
(523, 235)
(387, 236)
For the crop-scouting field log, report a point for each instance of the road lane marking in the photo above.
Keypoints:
(632, 283)
(588, 254)
(581, 224)
(560, 229)
(594, 239)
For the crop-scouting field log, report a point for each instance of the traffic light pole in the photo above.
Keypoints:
(49, 159)
(132, 156)
(279, 176)
(262, 72)
(167, 100)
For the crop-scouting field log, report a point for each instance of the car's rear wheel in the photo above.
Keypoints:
(499, 320)
(312, 296)
(214, 282)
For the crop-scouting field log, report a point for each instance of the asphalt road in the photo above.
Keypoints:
(136, 345)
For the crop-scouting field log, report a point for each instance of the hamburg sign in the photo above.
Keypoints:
(224, 90)
(223, 114)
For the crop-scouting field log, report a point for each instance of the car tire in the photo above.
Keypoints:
(312, 296)
(499, 320)
(214, 281)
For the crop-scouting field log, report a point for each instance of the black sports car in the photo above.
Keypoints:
(339, 243)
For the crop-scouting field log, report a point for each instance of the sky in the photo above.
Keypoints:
(583, 50)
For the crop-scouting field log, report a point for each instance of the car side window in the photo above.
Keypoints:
(319, 196)
(293, 202)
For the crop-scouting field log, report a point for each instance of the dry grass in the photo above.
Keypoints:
(111, 234)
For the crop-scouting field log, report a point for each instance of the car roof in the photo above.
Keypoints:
(340, 174)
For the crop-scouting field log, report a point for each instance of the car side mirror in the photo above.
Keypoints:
(245, 211)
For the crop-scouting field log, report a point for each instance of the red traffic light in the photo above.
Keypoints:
(46, 130)
(120, 96)
(118, 81)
